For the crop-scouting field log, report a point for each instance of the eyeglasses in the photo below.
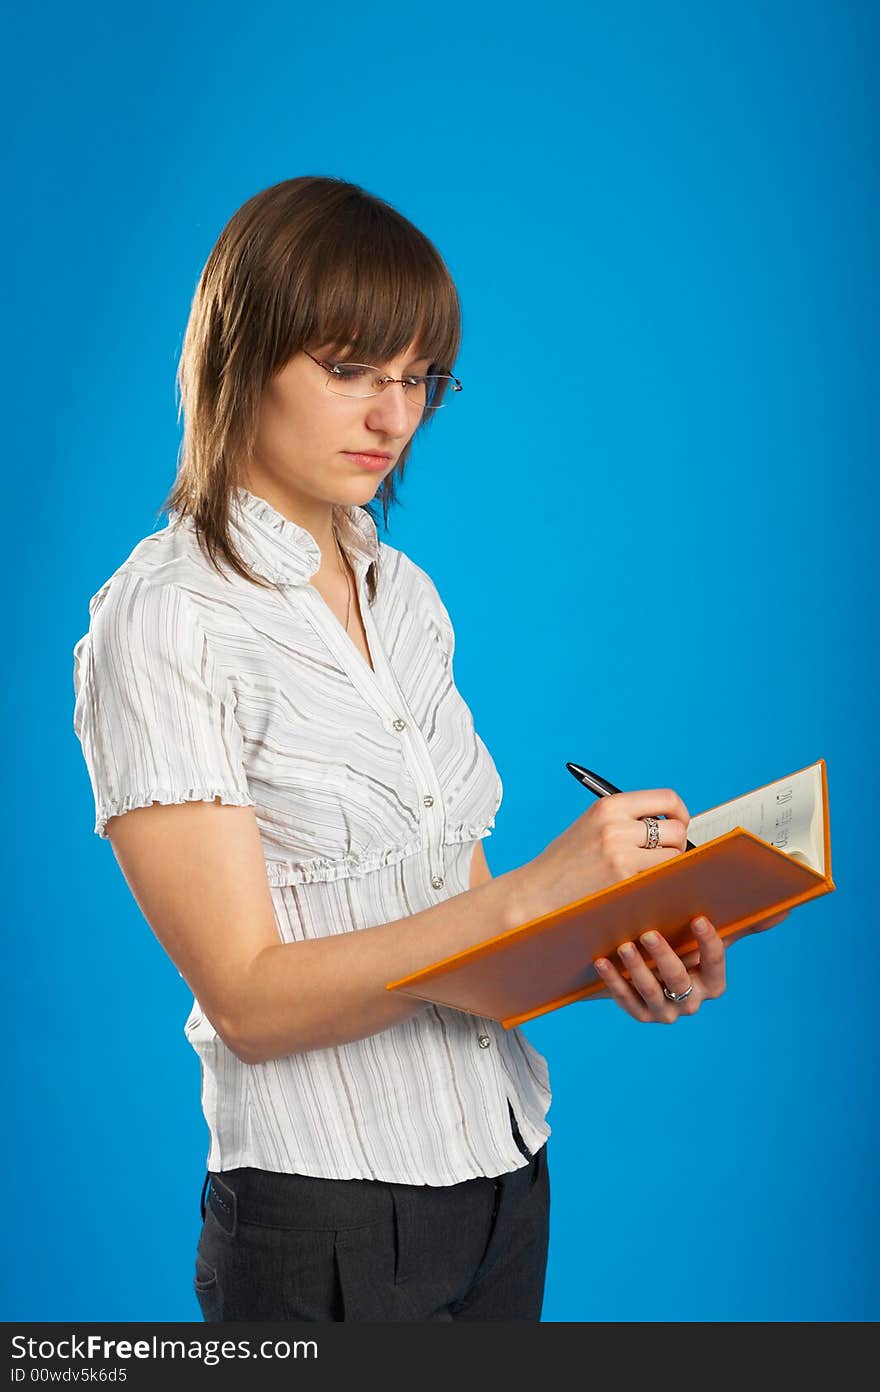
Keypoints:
(360, 380)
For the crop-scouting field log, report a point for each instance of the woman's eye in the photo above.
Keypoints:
(347, 373)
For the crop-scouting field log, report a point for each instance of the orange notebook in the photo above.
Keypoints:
(755, 856)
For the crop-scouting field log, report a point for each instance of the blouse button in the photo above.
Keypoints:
(399, 724)
(485, 1041)
(428, 800)
(437, 882)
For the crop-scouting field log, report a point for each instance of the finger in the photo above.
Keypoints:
(713, 961)
(764, 923)
(692, 959)
(620, 991)
(651, 802)
(647, 985)
(670, 966)
(674, 973)
(649, 859)
(673, 833)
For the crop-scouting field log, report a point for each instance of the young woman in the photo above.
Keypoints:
(295, 792)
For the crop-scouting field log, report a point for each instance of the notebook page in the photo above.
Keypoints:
(783, 813)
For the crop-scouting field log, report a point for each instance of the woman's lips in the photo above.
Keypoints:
(376, 462)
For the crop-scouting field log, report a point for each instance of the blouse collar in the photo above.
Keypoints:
(286, 553)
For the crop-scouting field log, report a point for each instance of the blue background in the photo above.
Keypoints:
(651, 515)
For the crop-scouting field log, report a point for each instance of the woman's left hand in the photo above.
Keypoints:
(698, 976)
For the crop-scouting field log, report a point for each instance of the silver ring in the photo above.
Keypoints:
(652, 833)
(675, 996)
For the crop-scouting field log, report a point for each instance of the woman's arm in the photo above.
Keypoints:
(481, 874)
(197, 871)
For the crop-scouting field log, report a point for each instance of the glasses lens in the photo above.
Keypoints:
(358, 379)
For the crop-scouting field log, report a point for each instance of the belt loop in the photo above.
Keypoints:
(204, 1191)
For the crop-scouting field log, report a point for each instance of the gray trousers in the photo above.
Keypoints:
(297, 1247)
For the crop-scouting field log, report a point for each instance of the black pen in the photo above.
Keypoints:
(602, 788)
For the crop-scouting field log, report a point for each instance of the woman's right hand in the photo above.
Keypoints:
(606, 844)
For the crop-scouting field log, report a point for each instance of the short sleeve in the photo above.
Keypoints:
(154, 721)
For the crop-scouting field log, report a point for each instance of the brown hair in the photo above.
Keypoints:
(309, 261)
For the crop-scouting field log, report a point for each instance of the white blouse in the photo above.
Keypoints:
(370, 790)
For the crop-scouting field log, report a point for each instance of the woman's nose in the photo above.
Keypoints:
(390, 411)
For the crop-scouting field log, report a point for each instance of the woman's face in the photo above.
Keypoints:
(305, 431)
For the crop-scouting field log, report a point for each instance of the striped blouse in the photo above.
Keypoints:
(370, 789)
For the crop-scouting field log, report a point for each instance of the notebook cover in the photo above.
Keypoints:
(736, 879)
